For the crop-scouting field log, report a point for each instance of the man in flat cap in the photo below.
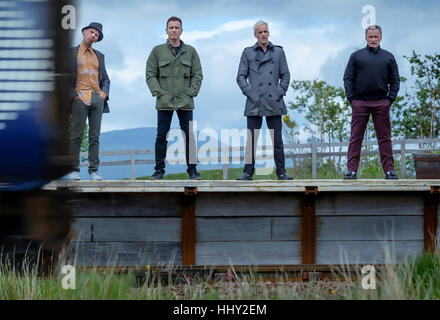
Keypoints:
(90, 90)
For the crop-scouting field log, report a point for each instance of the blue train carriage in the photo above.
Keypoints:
(35, 87)
(34, 94)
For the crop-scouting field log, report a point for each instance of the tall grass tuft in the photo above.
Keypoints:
(416, 278)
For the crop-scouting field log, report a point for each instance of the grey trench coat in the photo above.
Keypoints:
(264, 80)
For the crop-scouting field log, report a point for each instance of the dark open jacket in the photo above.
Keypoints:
(104, 81)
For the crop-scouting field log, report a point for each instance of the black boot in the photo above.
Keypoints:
(158, 175)
(391, 175)
(284, 176)
(351, 175)
(246, 176)
(193, 174)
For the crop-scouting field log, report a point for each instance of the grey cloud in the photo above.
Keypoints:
(133, 27)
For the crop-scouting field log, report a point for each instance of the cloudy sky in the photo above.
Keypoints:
(317, 36)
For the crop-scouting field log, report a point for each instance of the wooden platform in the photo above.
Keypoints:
(242, 186)
(221, 223)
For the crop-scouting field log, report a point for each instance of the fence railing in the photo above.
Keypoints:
(292, 151)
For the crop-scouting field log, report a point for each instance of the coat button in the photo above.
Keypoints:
(261, 84)
(271, 72)
(270, 83)
(270, 96)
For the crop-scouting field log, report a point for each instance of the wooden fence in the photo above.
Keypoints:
(292, 151)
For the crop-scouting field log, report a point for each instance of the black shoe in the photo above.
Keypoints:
(194, 175)
(245, 176)
(284, 176)
(351, 175)
(157, 175)
(391, 175)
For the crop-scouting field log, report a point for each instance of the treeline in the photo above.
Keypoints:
(414, 114)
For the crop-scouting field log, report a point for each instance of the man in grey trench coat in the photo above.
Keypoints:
(263, 77)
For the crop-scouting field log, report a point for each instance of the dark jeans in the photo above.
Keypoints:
(380, 111)
(164, 118)
(254, 126)
(80, 113)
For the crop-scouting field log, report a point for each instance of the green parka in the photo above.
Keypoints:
(174, 79)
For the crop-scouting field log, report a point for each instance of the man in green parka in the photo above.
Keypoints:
(174, 76)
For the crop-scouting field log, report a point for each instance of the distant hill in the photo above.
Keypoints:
(138, 138)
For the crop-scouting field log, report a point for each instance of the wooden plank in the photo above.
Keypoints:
(377, 203)
(430, 222)
(365, 143)
(248, 253)
(259, 186)
(99, 254)
(189, 227)
(127, 205)
(314, 161)
(127, 229)
(403, 160)
(308, 229)
(366, 252)
(248, 204)
(370, 228)
(248, 229)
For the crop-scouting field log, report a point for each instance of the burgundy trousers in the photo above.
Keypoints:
(380, 111)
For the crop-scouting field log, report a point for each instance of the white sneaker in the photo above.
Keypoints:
(74, 176)
(95, 176)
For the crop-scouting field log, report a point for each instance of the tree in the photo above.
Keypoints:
(325, 107)
(416, 114)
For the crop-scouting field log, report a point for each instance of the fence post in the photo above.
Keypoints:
(224, 159)
(314, 163)
(133, 164)
(225, 171)
(403, 159)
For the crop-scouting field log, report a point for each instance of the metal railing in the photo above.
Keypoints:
(292, 151)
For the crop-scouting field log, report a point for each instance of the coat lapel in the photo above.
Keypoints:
(260, 58)
(267, 57)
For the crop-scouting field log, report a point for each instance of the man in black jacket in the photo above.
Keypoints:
(371, 82)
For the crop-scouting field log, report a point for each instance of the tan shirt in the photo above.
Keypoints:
(88, 75)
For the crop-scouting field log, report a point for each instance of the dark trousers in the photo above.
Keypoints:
(164, 118)
(80, 113)
(254, 126)
(380, 111)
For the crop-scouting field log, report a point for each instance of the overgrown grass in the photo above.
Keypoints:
(416, 278)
